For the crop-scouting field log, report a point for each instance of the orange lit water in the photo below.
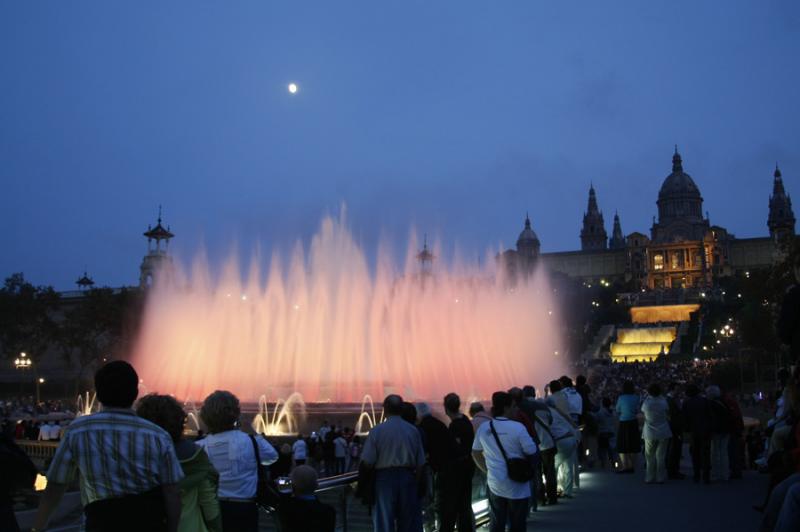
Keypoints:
(328, 327)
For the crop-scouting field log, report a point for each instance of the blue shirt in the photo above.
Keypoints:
(116, 453)
(393, 443)
(627, 407)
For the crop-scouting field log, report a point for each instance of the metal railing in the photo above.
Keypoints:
(352, 515)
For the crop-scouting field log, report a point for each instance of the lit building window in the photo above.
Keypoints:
(658, 262)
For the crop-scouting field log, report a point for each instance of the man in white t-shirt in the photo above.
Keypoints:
(508, 500)
(299, 450)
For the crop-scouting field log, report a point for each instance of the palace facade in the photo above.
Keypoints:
(683, 249)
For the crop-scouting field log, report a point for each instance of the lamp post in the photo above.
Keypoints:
(24, 362)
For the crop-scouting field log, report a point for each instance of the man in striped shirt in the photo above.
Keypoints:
(128, 467)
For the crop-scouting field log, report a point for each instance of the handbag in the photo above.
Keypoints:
(519, 469)
(266, 496)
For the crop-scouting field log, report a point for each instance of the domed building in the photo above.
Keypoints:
(684, 250)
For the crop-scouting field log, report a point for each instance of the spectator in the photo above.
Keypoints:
(302, 511)
(508, 499)
(675, 447)
(697, 416)
(199, 504)
(543, 420)
(565, 434)
(439, 448)
(656, 434)
(355, 452)
(606, 429)
(394, 450)
(18, 473)
(574, 400)
(628, 438)
(339, 453)
(299, 450)
(127, 466)
(232, 453)
(457, 479)
(721, 427)
(478, 415)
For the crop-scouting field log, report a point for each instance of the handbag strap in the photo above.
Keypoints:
(258, 459)
(497, 439)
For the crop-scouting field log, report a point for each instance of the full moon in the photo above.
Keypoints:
(292, 87)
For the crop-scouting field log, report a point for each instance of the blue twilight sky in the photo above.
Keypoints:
(454, 117)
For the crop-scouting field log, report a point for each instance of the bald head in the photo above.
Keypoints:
(304, 480)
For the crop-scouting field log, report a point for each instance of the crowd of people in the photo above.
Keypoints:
(424, 465)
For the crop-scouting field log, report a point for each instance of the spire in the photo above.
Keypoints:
(592, 206)
(593, 233)
(527, 221)
(781, 216)
(617, 240)
(677, 163)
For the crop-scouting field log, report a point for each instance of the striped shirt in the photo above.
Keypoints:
(117, 453)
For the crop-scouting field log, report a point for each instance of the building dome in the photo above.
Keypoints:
(527, 236)
(678, 184)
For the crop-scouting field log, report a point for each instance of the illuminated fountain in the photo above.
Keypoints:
(326, 325)
(86, 404)
(286, 415)
(367, 417)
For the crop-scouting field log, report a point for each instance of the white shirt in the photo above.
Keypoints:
(340, 447)
(574, 400)
(656, 419)
(44, 432)
(299, 450)
(517, 443)
(231, 454)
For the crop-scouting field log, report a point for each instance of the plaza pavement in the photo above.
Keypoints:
(610, 502)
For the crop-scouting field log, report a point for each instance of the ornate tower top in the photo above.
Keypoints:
(593, 233)
(84, 282)
(425, 257)
(781, 216)
(157, 261)
(617, 240)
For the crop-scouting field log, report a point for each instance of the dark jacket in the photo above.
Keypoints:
(697, 415)
(440, 445)
(303, 515)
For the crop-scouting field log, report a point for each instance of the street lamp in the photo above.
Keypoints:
(24, 362)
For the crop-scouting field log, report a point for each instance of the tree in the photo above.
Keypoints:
(100, 326)
(27, 317)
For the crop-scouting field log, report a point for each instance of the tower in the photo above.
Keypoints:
(617, 240)
(85, 282)
(157, 261)
(425, 258)
(781, 217)
(593, 234)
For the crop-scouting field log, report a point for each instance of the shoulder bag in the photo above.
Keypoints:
(519, 469)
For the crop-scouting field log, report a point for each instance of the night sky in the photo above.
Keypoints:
(451, 117)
